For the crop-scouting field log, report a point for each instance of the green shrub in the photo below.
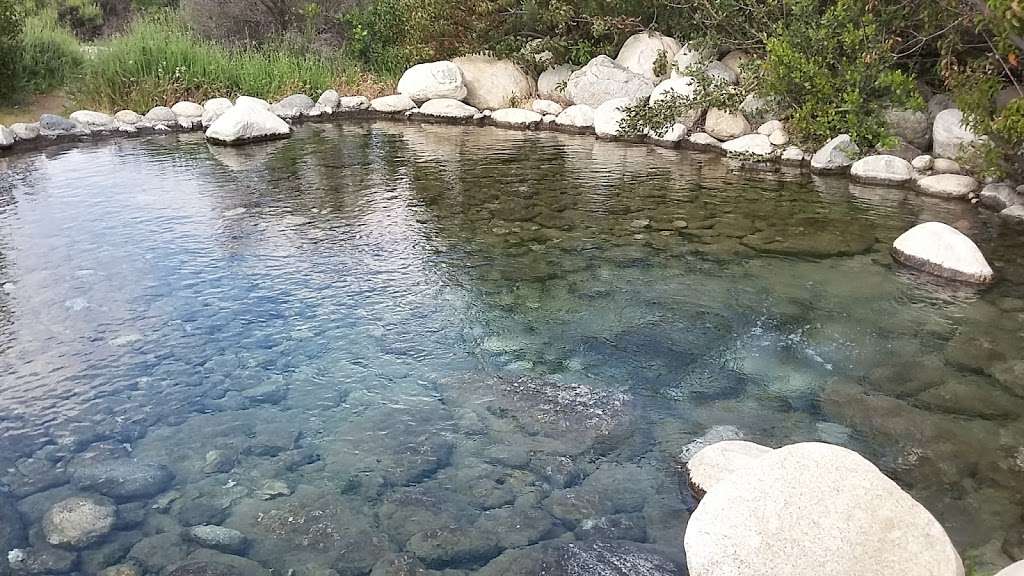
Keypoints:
(159, 61)
(83, 17)
(10, 47)
(51, 55)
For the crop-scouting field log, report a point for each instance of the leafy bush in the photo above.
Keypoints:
(10, 47)
(160, 61)
(245, 22)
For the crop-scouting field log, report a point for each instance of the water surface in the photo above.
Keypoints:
(454, 342)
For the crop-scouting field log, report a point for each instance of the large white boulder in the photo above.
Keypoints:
(688, 57)
(713, 464)
(214, 108)
(947, 186)
(433, 80)
(392, 104)
(950, 138)
(642, 52)
(447, 108)
(725, 125)
(247, 122)
(93, 120)
(882, 169)
(749, 145)
(604, 79)
(942, 250)
(516, 117)
(836, 154)
(576, 116)
(684, 86)
(552, 82)
(492, 84)
(812, 509)
(608, 117)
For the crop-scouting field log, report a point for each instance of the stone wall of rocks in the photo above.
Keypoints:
(483, 90)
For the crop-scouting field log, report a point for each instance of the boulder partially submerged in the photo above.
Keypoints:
(246, 122)
(811, 509)
(942, 250)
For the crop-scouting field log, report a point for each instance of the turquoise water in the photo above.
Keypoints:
(475, 349)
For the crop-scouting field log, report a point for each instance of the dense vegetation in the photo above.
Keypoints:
(830, 65)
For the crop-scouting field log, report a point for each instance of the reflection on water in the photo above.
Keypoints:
(466, 348)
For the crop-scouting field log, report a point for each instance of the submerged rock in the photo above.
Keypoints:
(590, 558)
(492, 83)
(944, 251)
(604, 79)
(433, 80)
(41, 561)
(123, 480)
(803, 503)
(218, 538)
(247, 123)
(79, 521)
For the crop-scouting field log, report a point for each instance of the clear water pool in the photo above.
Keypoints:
(467, 346)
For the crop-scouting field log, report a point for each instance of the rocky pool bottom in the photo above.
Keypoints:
(388, 349)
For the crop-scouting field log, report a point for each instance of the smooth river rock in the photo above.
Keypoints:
(213, 109)
(713, 464)
(516, 117)
(392, 104)
(911, 126)
(293, 106)
(998, 196)
(447, 108)
(246, 122)
(608, 117)
(7, 137)
(749, 145)
(79, 521)
(552, 82)
(812, 509)
(576, 116)
(947, 186)
(492, 83)
(218, 538)
(93, 120)
(604, 79)
(724, 125)
(882, 169)
(433, 80)
(123, 479)
(942, 250)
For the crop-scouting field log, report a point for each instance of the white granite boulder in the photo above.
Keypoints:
(492, 83)
(94, 120)
(950, 138)
(704, 141)
(516, 118)
(942, 250)
(329, 100)
(813, 509)
(882, 169)
(707, 468)
(546, 107)
(392, 104)
(725, 125)
(946, 166)
(750, 145)
(247, 122)
(671, 138)
(923, 163)
(352, 104)
(7, 137)
(793, 155)
(688, 57)
(447, 108)
(214, 108)
(608, 117)
(836, 154)
(551, 83)
(947, 185)
(433, 80)
(28, 130)
(187, 110)
(253, 101)
(642, 52)
(604, 79)
(576, 116)
(161, 115)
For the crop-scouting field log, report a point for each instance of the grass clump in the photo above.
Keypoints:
(159, 61)
(50, 54)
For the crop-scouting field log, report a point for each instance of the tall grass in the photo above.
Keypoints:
(50, 54)
(159, 61)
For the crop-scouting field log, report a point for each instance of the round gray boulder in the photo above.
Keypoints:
(79, 521)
